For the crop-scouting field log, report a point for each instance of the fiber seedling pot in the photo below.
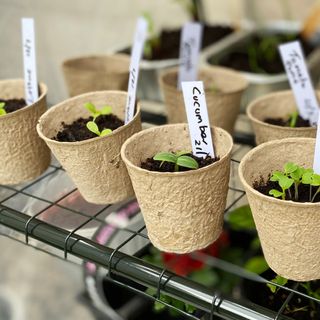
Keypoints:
(289, 231)
(183, 211)
(95, 73)
(95, 164)
(275, 105)
(23, 154)
(223, 107)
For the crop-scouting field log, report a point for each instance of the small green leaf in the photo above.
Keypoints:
(2, 112)
(105, 132)
(278, 280)
(190, 308)
(297, 174)
(307, 176)
(2, 104)
(165, 156)
(181, 153)
(90, 107)
(293, 119)
(92, 126)
(285, 183)
(106, 110)
(255, 244)
(276, 193)
(257, 265)
(290, 167)
(241, 218)
(158, 306)
(315, 180)
(187, 162)
(276, 176)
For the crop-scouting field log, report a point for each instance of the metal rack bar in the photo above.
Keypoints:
(135, 269)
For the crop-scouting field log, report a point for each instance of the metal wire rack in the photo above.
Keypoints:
(58, 221)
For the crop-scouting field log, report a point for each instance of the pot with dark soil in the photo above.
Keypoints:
(274, 116)
(223, 89)
(285, 207)
(23, 154)
(85, 133)
(96, 73)
(182, 200)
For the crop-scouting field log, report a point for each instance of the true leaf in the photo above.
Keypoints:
(92, 126)
(106, 110)
(165, 156)
(90, 107)
(187, 162)
(276, 193)
(276, 176)
(297, 174)
(315, 180)
(290, 167)
(307, 176)
(278, 280)
(105, 132)
(257, 265)
(181, 153)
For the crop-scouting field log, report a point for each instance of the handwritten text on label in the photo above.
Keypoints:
(197, 114)
(29, 61)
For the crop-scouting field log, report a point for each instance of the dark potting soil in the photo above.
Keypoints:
(239, 59)
(303, 190)
(299, 308)
(12, 105)
(301, 123)
(77, 131)
(170, 41)
(155, 165)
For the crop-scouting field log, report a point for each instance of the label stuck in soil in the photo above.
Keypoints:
(198, 120)
(137, 50)
(300, 81)
(190, 44)
(29, 61)
(316, 160)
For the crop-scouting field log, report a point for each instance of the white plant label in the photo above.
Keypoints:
(190, 44)
(198, 120)
(300, 81)
(136, 54)
(29, 61)
(316, 160)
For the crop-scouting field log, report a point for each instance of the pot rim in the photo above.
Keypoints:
(44, 91)
(254, 104)
(210, 70)
(262, 196)
(175, 174)
(79, 143)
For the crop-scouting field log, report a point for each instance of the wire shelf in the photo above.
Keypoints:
(50, 215)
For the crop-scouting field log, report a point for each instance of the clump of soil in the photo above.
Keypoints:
(155, 165)
(301, 123)
(77, 130)
(12, 105)
(303, 190)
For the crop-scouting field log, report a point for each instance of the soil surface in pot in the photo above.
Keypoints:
(303, 190)
(155, 165)
(299, 308)
(255, 58)
(12, 105)
(301, 123)
(78, 131)
(169, 47)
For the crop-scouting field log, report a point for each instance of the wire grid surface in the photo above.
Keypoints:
(53, 198)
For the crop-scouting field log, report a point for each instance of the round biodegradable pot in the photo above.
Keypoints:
(95, 164)
(223, 106)
(275, 105)
(183, 211)
(23, 154)
(289, 231)
(95, 73)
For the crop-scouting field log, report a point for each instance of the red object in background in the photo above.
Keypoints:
(184, 264)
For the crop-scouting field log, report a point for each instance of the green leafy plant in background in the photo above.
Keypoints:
(153, 40)
(294, 175)
(2, 109)
(178, 159)
(95, 113)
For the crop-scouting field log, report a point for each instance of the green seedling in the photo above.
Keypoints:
(178, 158)
(95, 113)
(153, 40)
(284, 182)
(2, 109)
(277, 280)
(293, 119)
(93, 127)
